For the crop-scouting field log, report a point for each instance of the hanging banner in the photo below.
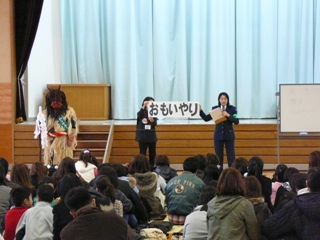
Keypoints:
(174, 109)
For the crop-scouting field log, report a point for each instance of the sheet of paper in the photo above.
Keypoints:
(217, 116)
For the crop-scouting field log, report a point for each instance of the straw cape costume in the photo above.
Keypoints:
(61, 128)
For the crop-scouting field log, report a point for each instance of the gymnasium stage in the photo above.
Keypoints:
(179, 139)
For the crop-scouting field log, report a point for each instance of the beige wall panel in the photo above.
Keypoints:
(90, 101)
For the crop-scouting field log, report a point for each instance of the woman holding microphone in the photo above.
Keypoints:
(146, 131)
(224, 133)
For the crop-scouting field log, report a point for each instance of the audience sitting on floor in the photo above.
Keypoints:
(241, 164)
(4, 163)
(254, 195)
(202, 163)
(285, 197)
(128, 208)
(255, 168)
(122, 173)
(52, 183)
(212, 158)
(138, 210)
(87, 166)
(37, 172)
(4, 196)
(37, 222)
(61, 213)
(278, 181)
(189, 200)
(67, 165)
(20, 175)
(183, 192)
(87, 217)
(150, 185)
(300, 217)
(230, 215)
(21, 198)
(195, 225)
(102, 184)
(314, 159)
(211, 173)
(287, 177)
(163, 168)
(298, 183)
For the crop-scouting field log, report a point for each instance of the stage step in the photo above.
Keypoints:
(92, 137)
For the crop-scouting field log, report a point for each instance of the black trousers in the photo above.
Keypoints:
(152, 151)
(218, 146)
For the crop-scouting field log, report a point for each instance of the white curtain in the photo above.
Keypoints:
(191, 50)
(256, 54)
(110, 42)
(194, 46)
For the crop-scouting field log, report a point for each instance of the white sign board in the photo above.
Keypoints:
(174, 109)
(299, 107)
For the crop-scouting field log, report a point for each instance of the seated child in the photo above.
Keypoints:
(21, 198)
(37, 222)
(195, 225)
(163, 168)
(50, 181)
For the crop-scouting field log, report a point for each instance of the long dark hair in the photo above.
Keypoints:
(20, 175)
(314, 159)
(56, 96)
(87, 157)
(104, 186)
(279, 172)
(111, 173)
(67, 165)
(38, 169)
(211, 172)
(223, 94)
(255, 167)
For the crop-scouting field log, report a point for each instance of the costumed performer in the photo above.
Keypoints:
(62, 127)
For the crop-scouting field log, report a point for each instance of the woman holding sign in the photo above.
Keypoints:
(145, 132)
(224, 133)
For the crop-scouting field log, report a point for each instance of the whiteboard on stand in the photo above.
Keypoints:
(299, 108)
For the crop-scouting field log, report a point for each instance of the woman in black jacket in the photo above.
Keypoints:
(224, 133)
(146, 133)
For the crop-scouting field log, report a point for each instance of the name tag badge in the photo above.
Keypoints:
(147, 127)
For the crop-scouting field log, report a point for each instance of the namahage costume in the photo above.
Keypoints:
(62, 129)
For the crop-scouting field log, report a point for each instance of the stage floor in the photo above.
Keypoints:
(170, 121)
(166, 121)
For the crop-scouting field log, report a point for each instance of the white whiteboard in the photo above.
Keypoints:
(299, 107)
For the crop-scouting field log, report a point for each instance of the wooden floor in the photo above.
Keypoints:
(180, 139)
